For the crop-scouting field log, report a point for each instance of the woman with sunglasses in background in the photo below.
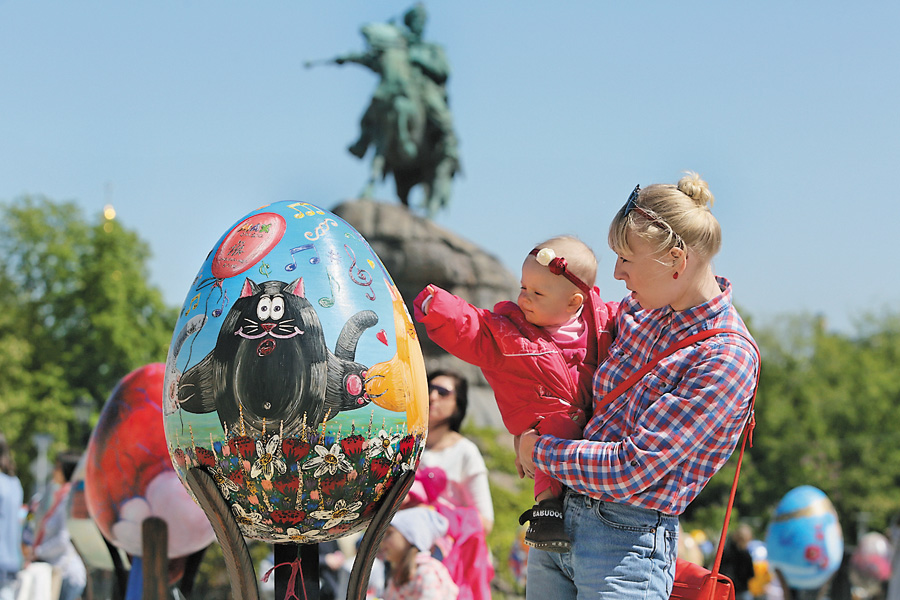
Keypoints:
(447, 448)
(647, 453)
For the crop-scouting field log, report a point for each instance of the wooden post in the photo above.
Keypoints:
(309, 560)
(155, 536)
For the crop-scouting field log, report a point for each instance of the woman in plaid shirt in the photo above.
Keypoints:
(647, 454)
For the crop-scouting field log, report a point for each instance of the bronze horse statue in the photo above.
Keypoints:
(405, 124)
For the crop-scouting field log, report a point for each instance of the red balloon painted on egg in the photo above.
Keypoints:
(247, 243)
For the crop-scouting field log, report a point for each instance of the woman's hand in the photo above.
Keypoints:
(516, 450)
(526, 447)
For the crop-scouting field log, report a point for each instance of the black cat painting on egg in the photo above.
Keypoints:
(271, 366)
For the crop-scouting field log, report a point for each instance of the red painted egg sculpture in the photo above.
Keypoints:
(870, 565)
(129, 475)
(295, 378)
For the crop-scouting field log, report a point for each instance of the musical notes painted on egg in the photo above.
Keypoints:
(328, 301)
(218, 311)
(291, 266)
(305, 209)
(321, 228)
(360, 276)
(193, 304)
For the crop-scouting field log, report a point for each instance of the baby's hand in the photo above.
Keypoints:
(427, 300)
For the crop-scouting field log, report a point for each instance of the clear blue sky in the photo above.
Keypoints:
(185, 115)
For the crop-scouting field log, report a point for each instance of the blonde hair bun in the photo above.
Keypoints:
(695, 188)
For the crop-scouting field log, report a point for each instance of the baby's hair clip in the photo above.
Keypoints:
(546, 257)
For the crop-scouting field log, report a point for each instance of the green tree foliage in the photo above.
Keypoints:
(826, 416)
(79, 314)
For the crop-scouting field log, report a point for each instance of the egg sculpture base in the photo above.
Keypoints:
(239, 563)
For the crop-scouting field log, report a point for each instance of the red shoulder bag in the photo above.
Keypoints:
(693, 582)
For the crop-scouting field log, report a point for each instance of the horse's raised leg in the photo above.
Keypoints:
(375, 173)
(438, 195)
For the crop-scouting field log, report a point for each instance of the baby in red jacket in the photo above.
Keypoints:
(538, 354)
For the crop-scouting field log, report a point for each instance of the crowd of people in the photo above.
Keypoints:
(37, 534)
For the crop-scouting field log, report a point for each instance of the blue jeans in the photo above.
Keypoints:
(70, 591)
(7, 588)
(618, 551)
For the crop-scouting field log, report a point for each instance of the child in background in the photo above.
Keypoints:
(538, 354)
(406, 546)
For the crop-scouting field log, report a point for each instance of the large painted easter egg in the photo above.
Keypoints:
(129, 475)
(804, 539)
(295, 377)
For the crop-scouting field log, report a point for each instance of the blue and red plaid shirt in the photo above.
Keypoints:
(659, 442)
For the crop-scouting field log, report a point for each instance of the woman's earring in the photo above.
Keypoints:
(675, 275)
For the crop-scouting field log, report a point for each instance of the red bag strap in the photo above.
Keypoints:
(748, 425)
(747, 434)
(637, 375)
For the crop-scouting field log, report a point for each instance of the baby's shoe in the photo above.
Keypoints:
(546, 530)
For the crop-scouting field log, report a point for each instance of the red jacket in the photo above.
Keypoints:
(522, 364)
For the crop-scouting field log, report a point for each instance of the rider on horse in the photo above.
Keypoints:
(408, 119)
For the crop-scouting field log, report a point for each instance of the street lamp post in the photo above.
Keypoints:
(40, 468)
(83, 408)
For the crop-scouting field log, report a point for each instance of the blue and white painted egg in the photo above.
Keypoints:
(804, 539)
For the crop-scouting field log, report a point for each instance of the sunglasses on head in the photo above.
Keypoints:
(441, 390)
(631, 206)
